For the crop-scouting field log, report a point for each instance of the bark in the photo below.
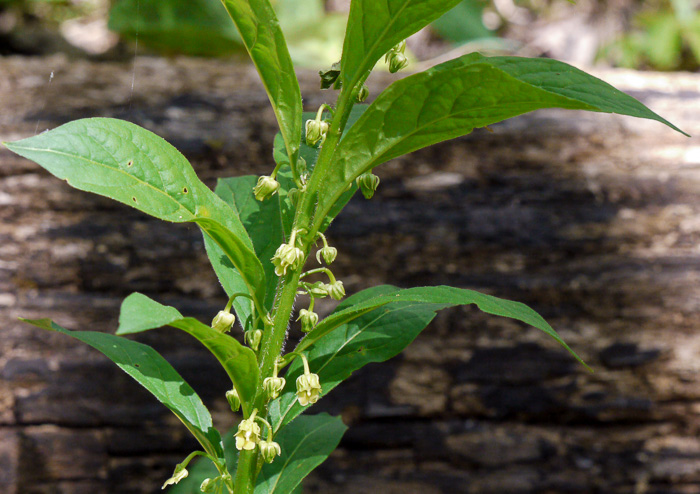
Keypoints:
(591, 219)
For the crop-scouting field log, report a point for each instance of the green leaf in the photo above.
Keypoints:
(155, 374)
(231, 281)
(377, 324)
(268, 223)
(264, 40)
(305, 444)
(125, 162)
(376, 26)
(444, 296)
(373, 337)
(140, 313)
(452, 99)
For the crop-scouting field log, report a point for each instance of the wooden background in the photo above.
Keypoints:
(593, 220)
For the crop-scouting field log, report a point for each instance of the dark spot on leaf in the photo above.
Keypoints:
(184, 190)
(134, 199)
(130, 163)
(137, 365)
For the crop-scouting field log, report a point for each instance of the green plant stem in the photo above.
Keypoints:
(244, 482)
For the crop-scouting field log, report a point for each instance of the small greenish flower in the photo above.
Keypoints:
(266, 188)
(309, 320)
(328, 254)
(316, 131)
(253, 338)
(362, 94)
(179, 474)
(233, 399)
(248, 435)
(335, 290)
(287, 256)
(223, 321)
(368, 183)
(269, 450)
(308, 388)
(273, 386)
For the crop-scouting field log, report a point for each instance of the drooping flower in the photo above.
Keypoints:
(269, 450)
(308, 385)
(233, 399)
(223, 321)
(309, 320)
(335, 289)
(287, 256)
(273, 386)
(265, 188)
(248, 434)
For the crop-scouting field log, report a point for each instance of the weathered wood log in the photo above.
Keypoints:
(591, 219)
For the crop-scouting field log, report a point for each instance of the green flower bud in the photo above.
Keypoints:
(316, 131)
(248, 434)
(309, 320)
(208, 485)
(223, 321)
(233, 400)
(287, 256)
(368, 183)
(397, 61)
(253, 338)
(335, 290)
(266, 188)
(328, 254)
(317, 289)
(273, 386)
(179, 474)
(269, 450)
(308, 389)
(362, 94)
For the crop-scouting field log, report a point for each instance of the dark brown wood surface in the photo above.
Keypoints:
(592, 219)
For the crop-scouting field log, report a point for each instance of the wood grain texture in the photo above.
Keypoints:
(593, 220)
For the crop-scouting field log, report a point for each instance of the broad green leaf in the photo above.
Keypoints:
(376, 26)
(373, 337)
(268, 223)
(452, 99)
(305, 444)
(441, 295)
(377, 324)
(155, 374)
(195, 27)
(125, 162)
(263, 38)
(140, 313)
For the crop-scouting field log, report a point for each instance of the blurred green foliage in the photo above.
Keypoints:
(203, 28)
(665, 35)
(464, 23)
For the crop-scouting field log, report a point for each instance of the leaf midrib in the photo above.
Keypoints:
(104, 165)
